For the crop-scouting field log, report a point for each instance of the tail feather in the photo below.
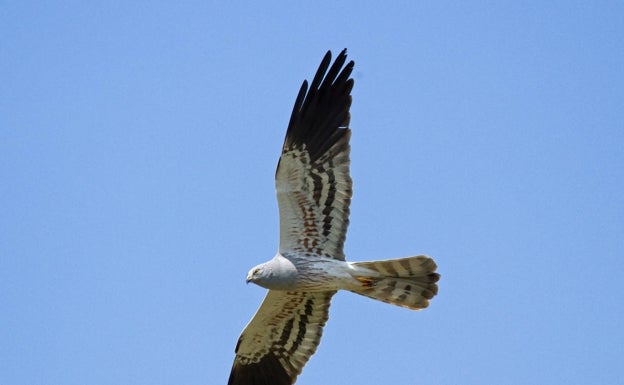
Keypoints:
(407, 282)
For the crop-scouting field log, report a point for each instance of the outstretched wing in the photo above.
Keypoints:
(312, 179)
(280, 338)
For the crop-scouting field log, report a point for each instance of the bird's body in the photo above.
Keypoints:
(314, 191)
(308, 273)
(311, 273)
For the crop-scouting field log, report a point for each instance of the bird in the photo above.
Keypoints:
(314, 190)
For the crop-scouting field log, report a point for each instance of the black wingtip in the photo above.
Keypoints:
(320, 116)
(267, 371)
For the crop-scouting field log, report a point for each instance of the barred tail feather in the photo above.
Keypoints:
(406, 282)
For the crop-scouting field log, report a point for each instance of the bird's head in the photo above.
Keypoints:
(279, 273)
(258, 274)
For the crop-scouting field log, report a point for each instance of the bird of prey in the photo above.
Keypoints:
(314, 192)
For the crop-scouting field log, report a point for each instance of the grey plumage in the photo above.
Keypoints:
(314, 191)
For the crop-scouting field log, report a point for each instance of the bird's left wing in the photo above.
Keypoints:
(312, 178)
(280, 338)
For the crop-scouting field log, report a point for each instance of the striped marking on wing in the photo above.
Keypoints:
(313, 184)
(281, 337)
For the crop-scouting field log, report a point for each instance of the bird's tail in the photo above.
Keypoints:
(407, 282)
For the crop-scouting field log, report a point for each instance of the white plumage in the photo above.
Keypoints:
(314, 191)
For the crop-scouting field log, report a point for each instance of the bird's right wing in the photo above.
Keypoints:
(280, 338)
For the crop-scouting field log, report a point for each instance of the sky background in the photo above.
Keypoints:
(138, 144)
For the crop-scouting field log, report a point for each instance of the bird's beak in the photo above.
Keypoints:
(248, 279)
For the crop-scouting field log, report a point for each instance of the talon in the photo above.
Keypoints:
(366, 281)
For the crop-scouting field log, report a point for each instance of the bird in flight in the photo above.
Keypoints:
(314, 191)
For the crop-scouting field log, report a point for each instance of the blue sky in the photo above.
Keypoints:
(138, 143)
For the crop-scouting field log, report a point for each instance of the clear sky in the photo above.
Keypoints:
(138, 144)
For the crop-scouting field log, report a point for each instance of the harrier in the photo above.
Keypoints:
(314, 192)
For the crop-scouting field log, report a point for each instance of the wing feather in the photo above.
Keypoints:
(281, 337)
(313, 183)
